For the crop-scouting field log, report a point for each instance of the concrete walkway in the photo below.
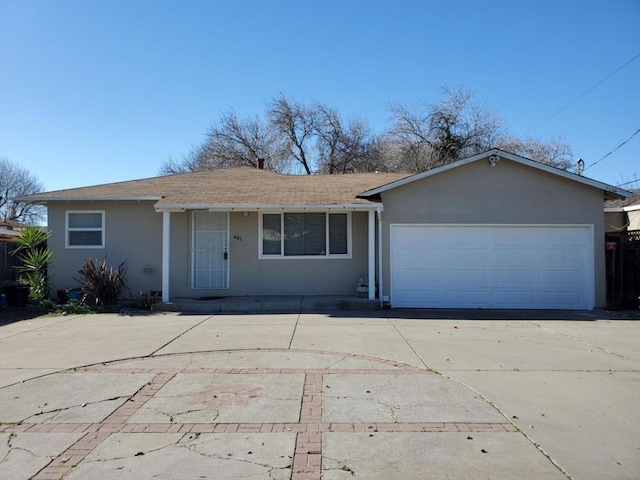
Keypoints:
(386, 395)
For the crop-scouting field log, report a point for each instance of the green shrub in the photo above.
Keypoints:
(34, 259)
(102, 284)
(75, 307)
(145, 300)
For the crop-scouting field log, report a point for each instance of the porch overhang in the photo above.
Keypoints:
(373, 209)
(369, 206)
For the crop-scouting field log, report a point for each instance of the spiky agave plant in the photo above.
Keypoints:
(34, 258)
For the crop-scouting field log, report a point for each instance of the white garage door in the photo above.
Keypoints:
(492, 266)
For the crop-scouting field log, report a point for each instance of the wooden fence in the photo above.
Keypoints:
(7, 262)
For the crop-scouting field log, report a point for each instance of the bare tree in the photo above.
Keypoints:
(297, 138)
(233, 142)
(437, 134)
(16, 181)
(297, 125)
(343, 148)
(554, 152)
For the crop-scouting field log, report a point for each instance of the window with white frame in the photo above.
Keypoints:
(304, 235)
(84, 228)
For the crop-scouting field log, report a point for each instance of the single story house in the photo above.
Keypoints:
(494, 230)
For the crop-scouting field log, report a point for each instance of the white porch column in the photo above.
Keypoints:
(372, 255)
(166, 232)
(380, 278)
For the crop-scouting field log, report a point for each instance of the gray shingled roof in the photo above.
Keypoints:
(234, 186)
(624, 202)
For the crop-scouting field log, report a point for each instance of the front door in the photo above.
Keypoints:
(210, 250)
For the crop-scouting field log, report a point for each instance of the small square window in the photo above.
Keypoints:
(85, 229)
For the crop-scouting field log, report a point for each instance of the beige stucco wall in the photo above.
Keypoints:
(615, 222)
(508, 193)
(250, 275)
(133, 232)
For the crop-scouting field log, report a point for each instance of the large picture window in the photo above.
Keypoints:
(305, 235)
(85, 229)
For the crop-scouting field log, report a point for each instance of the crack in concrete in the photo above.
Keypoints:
(138, 453)
(392, 408)
(194, 449)
(341, 359)
(12, 448)
(571, 337)
(186, 412)
(343, 466)
(57, 411)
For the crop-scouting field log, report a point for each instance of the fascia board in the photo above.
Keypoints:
(265, 207)
(45, 198)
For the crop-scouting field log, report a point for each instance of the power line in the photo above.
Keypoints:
(598, 161)
(628, 183)
(583, 94)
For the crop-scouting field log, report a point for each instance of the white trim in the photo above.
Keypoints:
(68, 229)
(631, 208)
(380, 276)
(50, 198)
(371, 238)
(166, 236)
(267, 207)
(326, 256)
(590, 300)
(515, 158)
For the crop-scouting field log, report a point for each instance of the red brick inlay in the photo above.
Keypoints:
(307, 460)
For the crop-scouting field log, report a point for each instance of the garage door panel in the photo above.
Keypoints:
(560, 256)
(503, 266)
(462, 277)
(482, 298)
(428, 280)
(555, 299)
(512, 256)
(510, 280)
(514, 299)
(472, 257)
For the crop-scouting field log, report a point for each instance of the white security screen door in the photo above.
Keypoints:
(210, 250)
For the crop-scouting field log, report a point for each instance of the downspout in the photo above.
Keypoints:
(380, 282)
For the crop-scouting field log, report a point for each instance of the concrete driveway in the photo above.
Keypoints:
(385, 395)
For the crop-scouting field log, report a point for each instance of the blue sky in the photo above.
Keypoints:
(102, 91)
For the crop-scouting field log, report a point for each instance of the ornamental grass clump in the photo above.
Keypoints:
(102, 284)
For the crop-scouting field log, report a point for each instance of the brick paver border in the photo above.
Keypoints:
(307, 459)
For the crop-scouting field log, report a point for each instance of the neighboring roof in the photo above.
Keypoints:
(621, 204)
(611, 192)
(9, 229)
(239, 186)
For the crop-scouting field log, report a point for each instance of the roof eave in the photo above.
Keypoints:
(45, 199)
(177, 207)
